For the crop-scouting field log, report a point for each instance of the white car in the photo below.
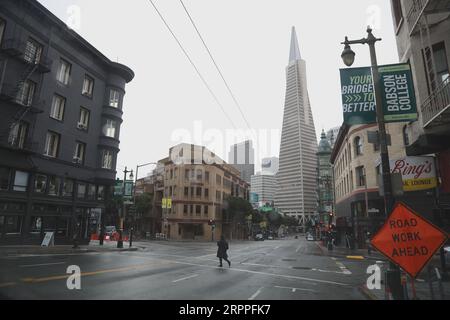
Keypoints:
(310, 237)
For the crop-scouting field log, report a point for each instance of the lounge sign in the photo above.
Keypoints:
(358, 99)
(418, 173)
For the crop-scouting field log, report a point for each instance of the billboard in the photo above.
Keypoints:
(418, 173)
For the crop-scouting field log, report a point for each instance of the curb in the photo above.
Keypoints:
(71, 251)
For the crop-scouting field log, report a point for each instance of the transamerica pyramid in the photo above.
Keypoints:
(296, 193)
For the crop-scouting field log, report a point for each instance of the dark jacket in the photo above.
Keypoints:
(222, 249)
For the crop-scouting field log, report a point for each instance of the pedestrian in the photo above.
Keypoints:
(222, 251)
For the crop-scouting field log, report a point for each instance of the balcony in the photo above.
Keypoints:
(19, 144)
(436, 109)
(16, 49)
(421, 7)
(9, 92)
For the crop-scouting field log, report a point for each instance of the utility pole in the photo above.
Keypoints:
(393, 274)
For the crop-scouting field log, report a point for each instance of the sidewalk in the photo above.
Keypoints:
(93, 246)
(357, 254)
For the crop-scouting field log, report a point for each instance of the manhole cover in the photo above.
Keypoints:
(301, 268)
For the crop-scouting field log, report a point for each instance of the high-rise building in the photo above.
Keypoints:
(264, 186)
(242, 157)
(270, 166)
(296, 192)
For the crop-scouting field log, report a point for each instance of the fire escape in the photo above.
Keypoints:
(423, 16)
(21, 93)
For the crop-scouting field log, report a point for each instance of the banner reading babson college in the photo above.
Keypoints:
(358, 99)
(399, 99)
(397, 90)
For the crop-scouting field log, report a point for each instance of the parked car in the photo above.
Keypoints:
(110, 231)
(270, 238)
(259, 237)
(310, 237)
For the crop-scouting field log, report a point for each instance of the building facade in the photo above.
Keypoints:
(61, 106)
(325, 182)
(242, 157)
(297, 176)
(422, 34)
(270, 166)
(198, 183)
(265, 187)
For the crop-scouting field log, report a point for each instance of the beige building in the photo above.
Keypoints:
(356, 168)
(198, 183)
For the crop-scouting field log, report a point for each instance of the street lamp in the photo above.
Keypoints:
(348, 56)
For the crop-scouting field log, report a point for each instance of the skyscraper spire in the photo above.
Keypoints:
(295, 50)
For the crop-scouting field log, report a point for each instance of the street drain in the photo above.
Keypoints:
(301, 268)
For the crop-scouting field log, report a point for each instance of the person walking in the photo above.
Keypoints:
(222, 251)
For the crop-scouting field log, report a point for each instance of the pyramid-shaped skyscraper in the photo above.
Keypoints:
(296, 194)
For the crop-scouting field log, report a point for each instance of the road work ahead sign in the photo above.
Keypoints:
(397, 90)
(408, 240)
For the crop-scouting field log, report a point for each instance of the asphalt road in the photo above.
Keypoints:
(291, 269)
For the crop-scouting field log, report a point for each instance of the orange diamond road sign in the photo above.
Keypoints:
(408, 240)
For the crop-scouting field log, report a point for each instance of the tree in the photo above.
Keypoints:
(236, 211)
(143, 203)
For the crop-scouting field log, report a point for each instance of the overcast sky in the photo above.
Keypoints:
(167, 103)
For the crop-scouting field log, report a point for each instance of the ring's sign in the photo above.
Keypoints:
(408, 240)
(397, 90)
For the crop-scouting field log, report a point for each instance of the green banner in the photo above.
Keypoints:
(399, 99)
(357, 96)
(398, 96)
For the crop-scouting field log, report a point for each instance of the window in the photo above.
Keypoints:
(107, 159)
(186, 191)
(54, 186)
(18, 135)
(58, 105)
(91, 192)
(2, 29)
(100, 193)
(358, 146)
(440, 60)
(80, 150)
(205, 211)
(199, 175)
(206, 193)
(198, 210)
(63, 75)
(397, 10)
(186, 174)
(52, 144)
(5, 176)
(40, 183)
(191, 212)
(36, 225)
(110, 128)
(405, 136)
(26, 93)
(360, 177)
(171, 174)
(218, 195)
(192, 191)
(68, 188)
(185, 210)
(33, 52)
(83, 122)
(114, 98)
(206, 176)
(199, 192)
(88, 86)
(81, 191)
(218, 179)
(21, 181)
(11, 224)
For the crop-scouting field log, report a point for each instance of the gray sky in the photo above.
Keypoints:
(250, 41)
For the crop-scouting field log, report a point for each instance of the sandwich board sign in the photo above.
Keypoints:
(49, 240)
(408, 240)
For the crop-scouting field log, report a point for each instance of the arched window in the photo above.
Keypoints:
(358, 146)
(405, 136)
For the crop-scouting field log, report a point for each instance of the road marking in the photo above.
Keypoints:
(298, 249)
(256, 294)
(355, 257)
(7, 284)
(295, 289)
(185, 278)
(343, 268)
(40, 265)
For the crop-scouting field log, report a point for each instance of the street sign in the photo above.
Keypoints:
(399, 99)
(164, 203)
(49, 240)
(167, 203)
(358, 98)
(397, 92)
(408, 240)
